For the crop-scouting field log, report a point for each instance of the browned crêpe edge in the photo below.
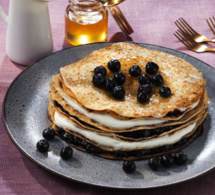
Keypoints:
(117, 136)
(84, 121)
(190, 137)
(58, 85)
(185, 89)
(112, 135)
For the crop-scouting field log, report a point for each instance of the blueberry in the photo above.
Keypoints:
(145, 88)
(76, 140)
(151, 68)
(165, 91)
(114, 65)
(137, 153)
(66, 152)
(93, 149)
(167, 160)
(42, 146)
(174, 113)
(66, 135)
(143, 97)
(100, 70)
(99, 80)
(154, 163)
(129, 166)
(120, 78)
(48, 133)
(180, 158)
(110, 84)
(157, 80)
(144, 79)
(118, 93)
(135, 71)
(60, 132)
(121, 153)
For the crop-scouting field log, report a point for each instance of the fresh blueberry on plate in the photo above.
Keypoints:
(154, 163)
(66, 152)
(129, 166)
(180, 158)
(42, 146)
(49, 133)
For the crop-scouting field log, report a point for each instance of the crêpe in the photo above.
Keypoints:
(89, 119)
(186, 82)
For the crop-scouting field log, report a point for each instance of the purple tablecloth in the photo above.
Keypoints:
(153, 22)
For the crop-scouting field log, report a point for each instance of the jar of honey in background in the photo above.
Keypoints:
(86, 21)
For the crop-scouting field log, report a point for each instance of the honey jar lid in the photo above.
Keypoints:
(121, 20)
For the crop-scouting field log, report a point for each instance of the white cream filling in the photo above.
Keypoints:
(110, 121)
(166, 73)
(194, 76)
(189, 80)
(116, 144)
(192, 106)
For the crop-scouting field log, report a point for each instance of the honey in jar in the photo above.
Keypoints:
(86, 21)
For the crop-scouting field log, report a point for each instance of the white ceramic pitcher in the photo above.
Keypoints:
(29, 35)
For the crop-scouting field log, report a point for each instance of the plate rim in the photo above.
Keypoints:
(73, 179)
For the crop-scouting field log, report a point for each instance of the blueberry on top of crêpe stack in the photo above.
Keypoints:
(154, 108)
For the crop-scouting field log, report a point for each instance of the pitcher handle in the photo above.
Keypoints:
(3, 15)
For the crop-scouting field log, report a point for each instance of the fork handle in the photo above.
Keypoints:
(209, 40)
(210, 49)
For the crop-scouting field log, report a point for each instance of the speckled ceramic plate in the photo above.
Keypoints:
(25, 117)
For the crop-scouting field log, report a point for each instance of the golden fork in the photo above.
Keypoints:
(186, 28)
(190, 43)
(212, 25)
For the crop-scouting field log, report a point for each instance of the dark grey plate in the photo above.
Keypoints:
(25, 116)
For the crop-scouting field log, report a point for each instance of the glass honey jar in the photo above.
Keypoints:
(86, 21)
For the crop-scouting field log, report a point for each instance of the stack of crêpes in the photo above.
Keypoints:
(89, 119)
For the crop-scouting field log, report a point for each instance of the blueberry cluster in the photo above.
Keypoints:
(155, 163)
(167, 160)
(90, 148)
(147, 132)
(43, 145)
(145, 89)
(112, 85)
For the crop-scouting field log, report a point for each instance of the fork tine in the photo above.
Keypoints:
(210, 26)
(189, 28)
(181, 27)
(183, 40)
(188, 25)
(188, 38)
(213, 24)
